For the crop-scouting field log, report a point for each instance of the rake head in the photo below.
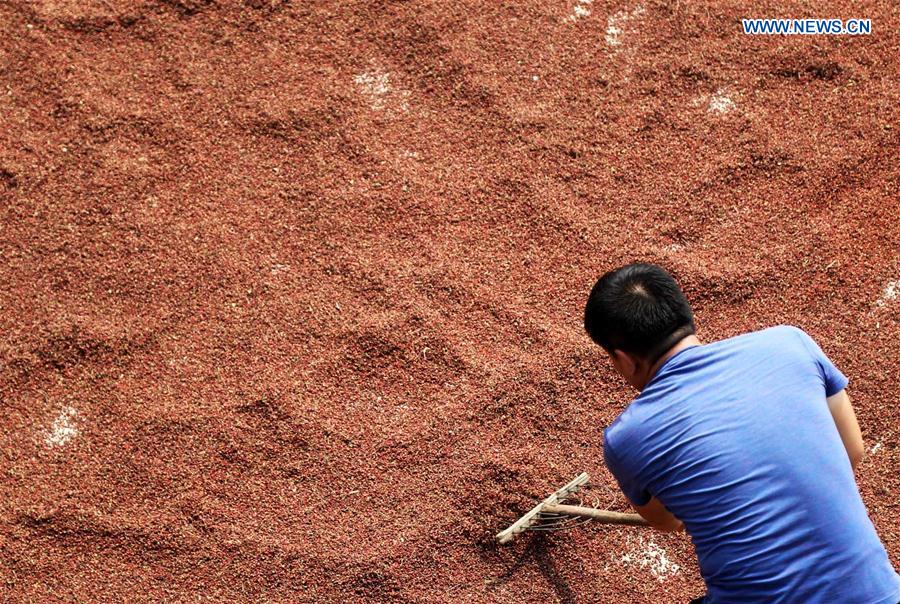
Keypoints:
(554, 513)
(537, 518)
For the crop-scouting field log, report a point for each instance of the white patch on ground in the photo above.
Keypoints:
(616, 23)
(721, 103)
(648, 555)
(376, 86)
(580, 10)
(891, 293)
(875, 448)
(280, 268)
(673, 248)
(63, 429)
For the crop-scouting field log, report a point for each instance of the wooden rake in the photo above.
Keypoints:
(553, 514)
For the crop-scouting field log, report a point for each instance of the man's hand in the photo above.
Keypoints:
(845, 420)
(658, 517)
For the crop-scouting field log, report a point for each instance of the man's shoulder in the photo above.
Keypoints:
(786, 339)
(776, 331)
(787, 331)
(769, 337)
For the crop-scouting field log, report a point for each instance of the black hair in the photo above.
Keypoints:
(640, 309)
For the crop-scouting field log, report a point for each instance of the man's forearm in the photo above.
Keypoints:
(658, 517)
(848, 428)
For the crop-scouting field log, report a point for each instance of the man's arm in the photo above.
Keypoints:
(658, 517)
(845, 419)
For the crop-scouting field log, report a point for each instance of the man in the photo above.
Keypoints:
(749, 444)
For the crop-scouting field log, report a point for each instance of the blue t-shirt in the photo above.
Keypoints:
(735, 438)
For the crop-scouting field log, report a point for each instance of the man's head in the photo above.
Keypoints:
(637, 313)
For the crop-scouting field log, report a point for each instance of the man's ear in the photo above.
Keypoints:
(624, 362)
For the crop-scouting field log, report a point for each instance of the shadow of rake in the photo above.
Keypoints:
(538, 551)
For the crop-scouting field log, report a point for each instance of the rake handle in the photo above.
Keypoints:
(604, 516)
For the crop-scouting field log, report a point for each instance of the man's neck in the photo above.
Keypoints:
(685, 342)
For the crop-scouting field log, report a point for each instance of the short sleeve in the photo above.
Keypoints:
(635, 493)
(835, 381)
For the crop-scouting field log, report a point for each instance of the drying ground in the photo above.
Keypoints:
(291, 291)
